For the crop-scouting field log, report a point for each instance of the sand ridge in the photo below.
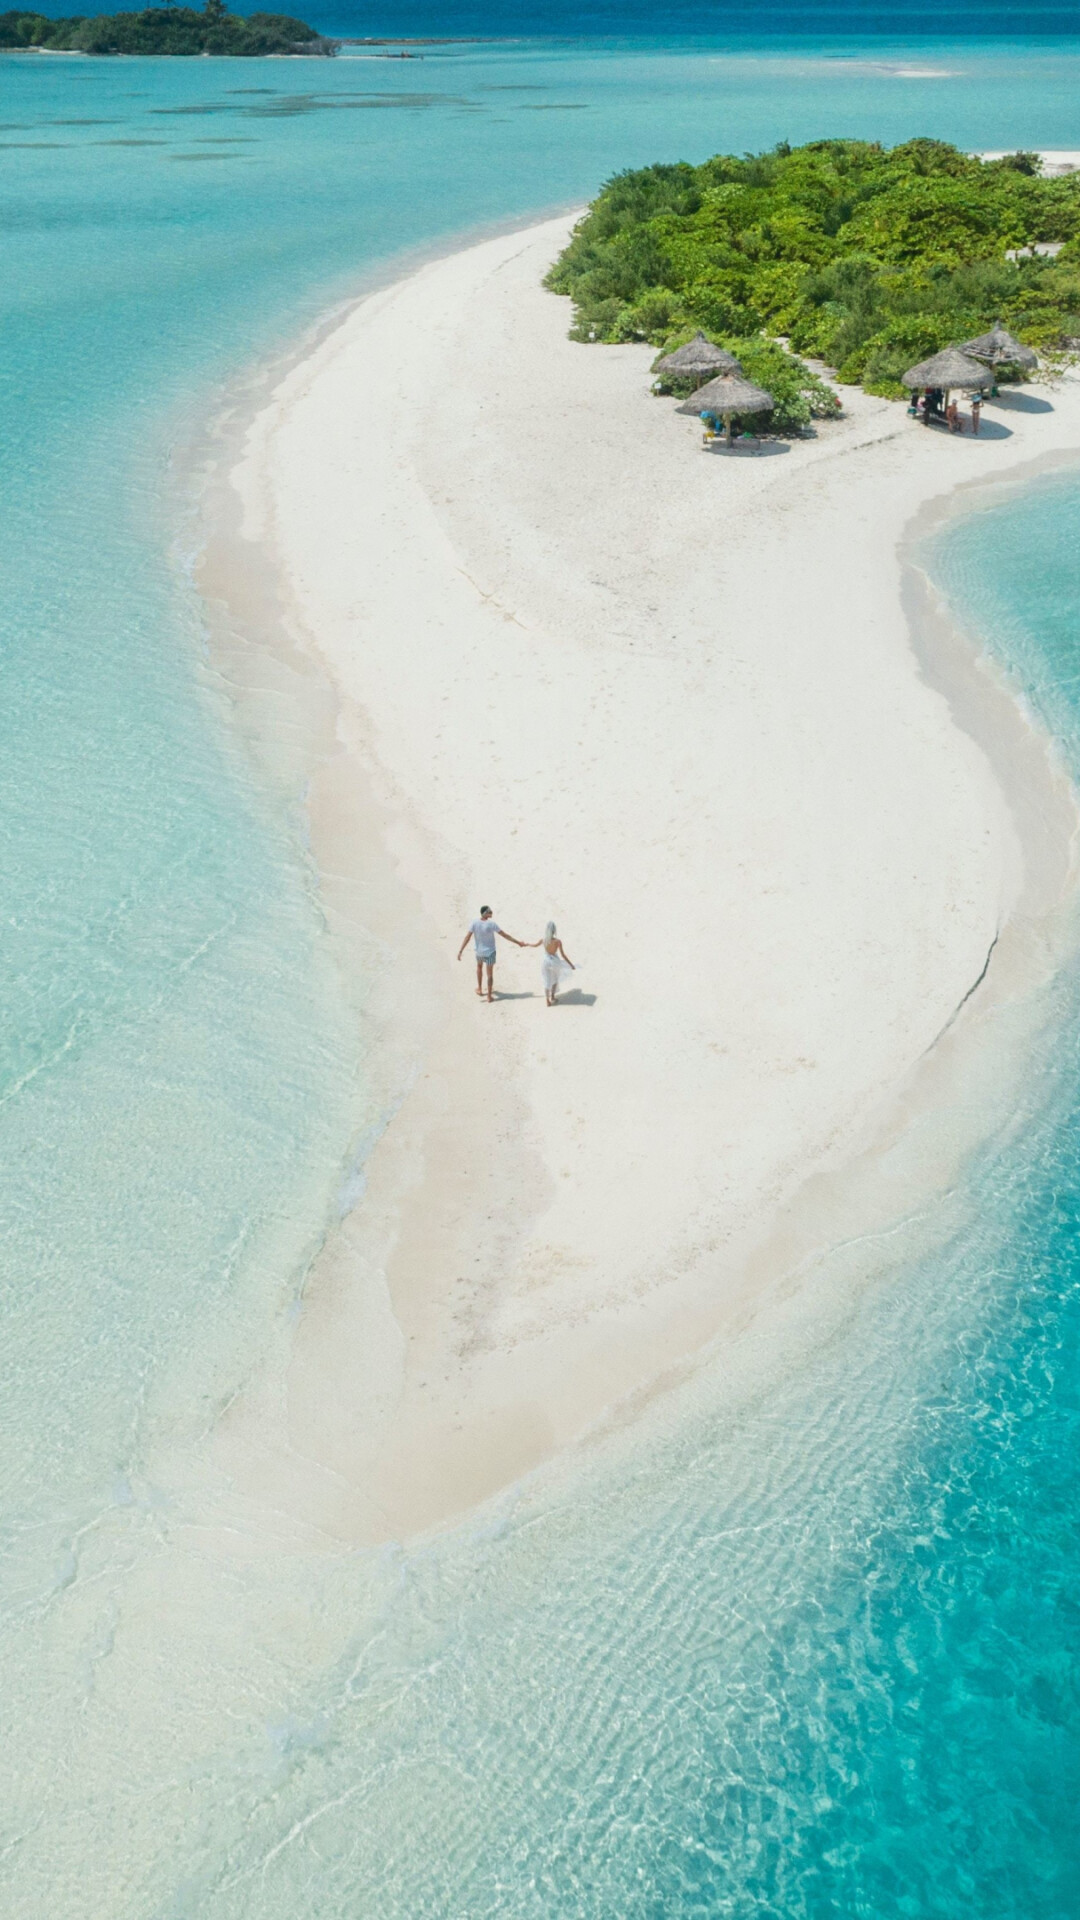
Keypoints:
(590, 672)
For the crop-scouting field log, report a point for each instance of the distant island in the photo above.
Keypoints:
(165, 30)
(865, 257)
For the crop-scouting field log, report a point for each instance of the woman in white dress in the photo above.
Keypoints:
(555, 964)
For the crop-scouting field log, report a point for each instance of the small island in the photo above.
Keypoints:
(174, 30)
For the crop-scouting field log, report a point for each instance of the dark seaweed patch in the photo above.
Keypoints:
(204, 106)
(283, 106)
(289, 104)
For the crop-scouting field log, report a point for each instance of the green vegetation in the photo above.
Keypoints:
(869, 258)
(168, 29)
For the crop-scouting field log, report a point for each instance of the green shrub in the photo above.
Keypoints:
(868, 257)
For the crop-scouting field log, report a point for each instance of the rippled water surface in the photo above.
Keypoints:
(810, 1655)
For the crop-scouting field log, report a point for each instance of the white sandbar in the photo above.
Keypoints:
(588, 671)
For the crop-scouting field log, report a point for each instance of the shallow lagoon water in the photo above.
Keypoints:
(809, 1658)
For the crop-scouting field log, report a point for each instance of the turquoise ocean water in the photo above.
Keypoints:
(815, 1657)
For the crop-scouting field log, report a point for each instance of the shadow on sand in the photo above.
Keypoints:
(575, 998)
(1018, 402)
(746, 450)
(988, 430)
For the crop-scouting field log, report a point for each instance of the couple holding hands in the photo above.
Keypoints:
(553, 968)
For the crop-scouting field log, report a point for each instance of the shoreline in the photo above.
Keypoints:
(336, 1430)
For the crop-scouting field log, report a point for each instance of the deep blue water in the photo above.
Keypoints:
(753, 23)
(809, 1655)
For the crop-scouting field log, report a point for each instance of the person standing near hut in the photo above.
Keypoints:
(976, 411)
(947, 372)
(483, 933)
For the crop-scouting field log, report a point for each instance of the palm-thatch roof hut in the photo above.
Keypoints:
(726, 396)
(949, 368)
(697, 360)
(1000, 348)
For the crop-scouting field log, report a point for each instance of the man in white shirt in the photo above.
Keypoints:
(482, 933)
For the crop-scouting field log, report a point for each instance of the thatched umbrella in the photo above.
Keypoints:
(698, 360)
(949, 368)
(730, 394)
(1000, 348)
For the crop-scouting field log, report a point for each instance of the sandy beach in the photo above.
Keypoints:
(674, 700)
